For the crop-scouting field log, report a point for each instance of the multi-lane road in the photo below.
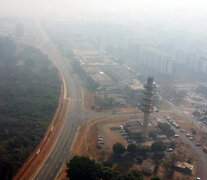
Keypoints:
(74, 117)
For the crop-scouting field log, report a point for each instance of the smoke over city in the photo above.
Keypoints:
(103, 89)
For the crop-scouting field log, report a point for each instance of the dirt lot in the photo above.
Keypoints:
(89, 101)
(86, 137)
(110, 137)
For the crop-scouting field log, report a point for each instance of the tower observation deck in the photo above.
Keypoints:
(147, 105)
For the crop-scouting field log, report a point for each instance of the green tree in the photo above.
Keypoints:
(132, 148)
(155, 178)
(194, 132)
(133, 175)
(116, 176)
(81, 167)
(29, 92)
(104, 172)
(166, 129)
(118, 149)
(158, 146)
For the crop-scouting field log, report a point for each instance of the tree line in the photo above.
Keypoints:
(29, 92)
(81, 167)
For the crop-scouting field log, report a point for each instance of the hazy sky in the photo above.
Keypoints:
(128, 9)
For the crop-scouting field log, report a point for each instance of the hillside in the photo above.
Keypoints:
(29, 92)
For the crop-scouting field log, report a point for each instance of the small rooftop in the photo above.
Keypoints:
(184, 165)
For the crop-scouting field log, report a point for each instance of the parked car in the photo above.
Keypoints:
(198, 144)
(100, 142)
(122, 130)
(131, 141)
(169, 150)
(191, 138)
(188, 135)
(177, 126)
(182, 130)
(176, 135)
(124, 134)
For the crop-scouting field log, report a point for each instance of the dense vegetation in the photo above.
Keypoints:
(80, 168)
(140, 152)
(29, 91)
(166, 129)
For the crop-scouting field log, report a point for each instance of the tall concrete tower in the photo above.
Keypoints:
(147, 106)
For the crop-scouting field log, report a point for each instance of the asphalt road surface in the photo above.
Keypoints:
(75, 114)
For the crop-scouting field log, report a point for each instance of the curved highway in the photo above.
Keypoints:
(59, 152)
